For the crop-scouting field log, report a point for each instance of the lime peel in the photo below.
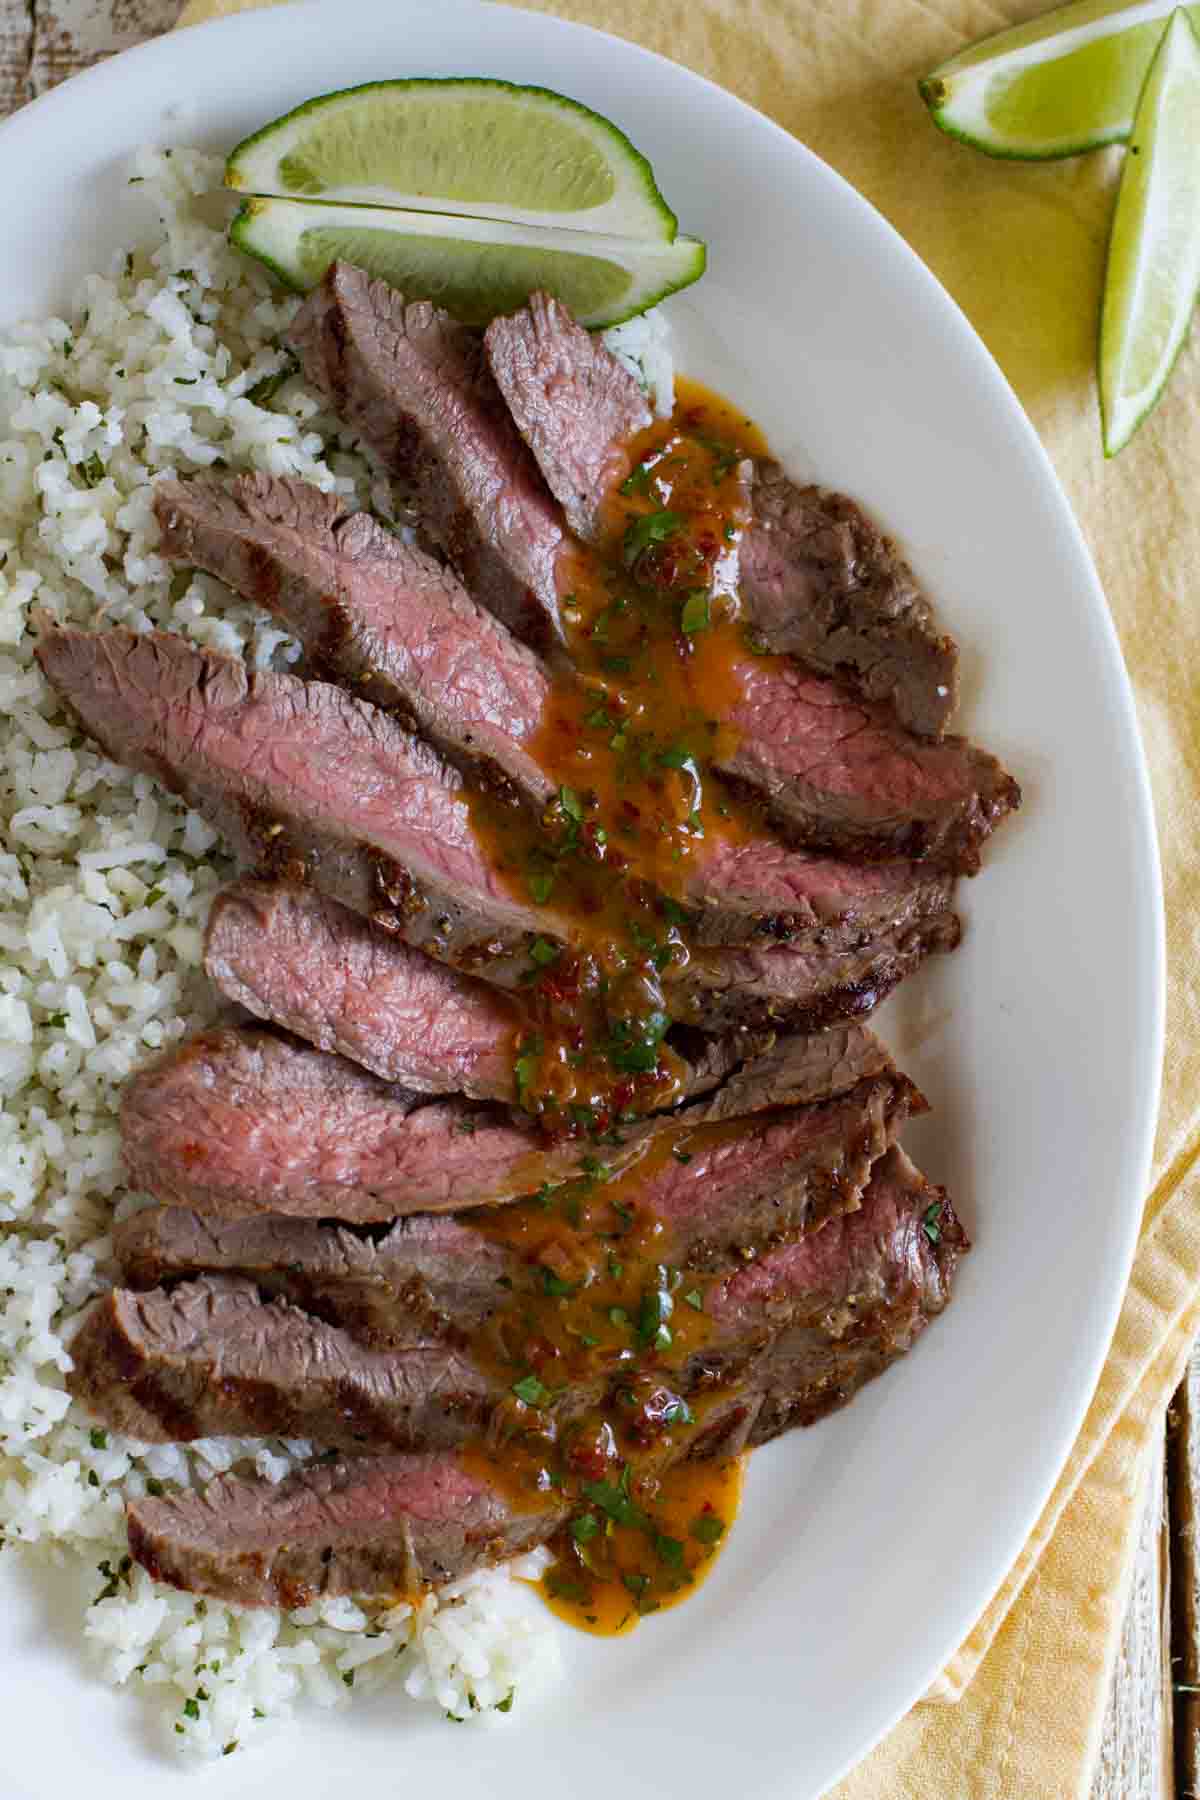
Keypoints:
(1152, 277)
(472, 146)
(475, 268)
(1064, 83)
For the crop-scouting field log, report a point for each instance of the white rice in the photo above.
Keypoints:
(105, 884)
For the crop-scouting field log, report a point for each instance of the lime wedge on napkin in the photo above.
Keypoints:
(485, 148)
(1153, 274)
(475, 268)
(1063, 83)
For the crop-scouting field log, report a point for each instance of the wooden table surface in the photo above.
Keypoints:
(1149, 1748)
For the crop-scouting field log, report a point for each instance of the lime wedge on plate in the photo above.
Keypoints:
(1153, 273)
(488, 149)
(475, 268)
(1066, 82)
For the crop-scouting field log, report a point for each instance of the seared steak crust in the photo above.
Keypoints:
(819, 582)
(416, 388)
(574, 404)
(814, 1320)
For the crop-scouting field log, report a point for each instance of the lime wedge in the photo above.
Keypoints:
(487, 149)
(1066, 82)
(1152, 278)
(475, 268)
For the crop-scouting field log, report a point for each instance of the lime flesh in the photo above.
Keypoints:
(485, 149)
(1066, 82)
(1152, 276)
(475, 268)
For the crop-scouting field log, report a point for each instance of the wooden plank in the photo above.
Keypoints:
(16, 51)
(1184, 1476)
(1136, 1752)
(69, 35)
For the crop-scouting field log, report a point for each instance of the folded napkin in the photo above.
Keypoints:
(1021, 248)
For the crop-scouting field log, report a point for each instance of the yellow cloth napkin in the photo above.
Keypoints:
(1021, 248)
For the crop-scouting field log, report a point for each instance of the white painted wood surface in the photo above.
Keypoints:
(44, 41)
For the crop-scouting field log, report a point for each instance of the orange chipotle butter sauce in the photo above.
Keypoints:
(598, 1341)
(651, 618)
(598, 1344)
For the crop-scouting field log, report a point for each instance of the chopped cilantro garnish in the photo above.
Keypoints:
(669, 1550)
(570, 802)
(584, 1527)
(647, 529)
(677, 1412)
(931, 1224)
(707, 1528)
(531, 1391)
(615, 1502)
(694, 1298)
(543, 952)
(694, 615)
(677, 757)
(638, 480)
(555, 1285)
(269, 386)
(682, 1156)
(541, 885)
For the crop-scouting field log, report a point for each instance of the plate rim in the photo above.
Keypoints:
(1144, 1111)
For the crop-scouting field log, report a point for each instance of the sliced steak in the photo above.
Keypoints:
(301, 960)
(372, 612)
(809, 989)
(818, 581)
(574, 404)
(443, 1275)
(432, 1273)
(839, 775)
(210, 1358)
(415, 386)
(396, 628)
(757, 890)
(380, 1526)
(240, 1121)
(827, 1314)
(303, 780)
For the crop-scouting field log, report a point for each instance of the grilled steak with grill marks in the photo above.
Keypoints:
(372, 612)
(240, 1121)
(574, 404)
(396, 629)
(826, 1314)
(416, 387)
(819, 582)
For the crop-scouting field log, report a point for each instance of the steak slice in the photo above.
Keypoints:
(432, 1272)
(209, 1356)
(818, 581)
(303, 780)
(839, 775)
(809, 989)
(293, 957)
(829, 1313)
(290, 955)
(372, 612)
(415, 386)
(447, 1275)
(382, 1526)
(241, 1121)
(574, 404)
(388, 623)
